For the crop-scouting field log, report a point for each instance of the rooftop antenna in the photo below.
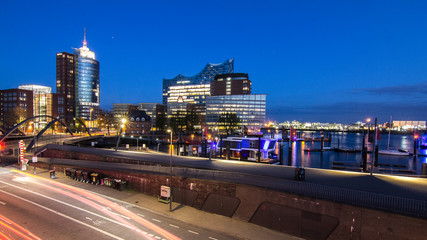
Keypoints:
(84, 41)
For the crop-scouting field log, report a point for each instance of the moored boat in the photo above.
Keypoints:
(395, 152)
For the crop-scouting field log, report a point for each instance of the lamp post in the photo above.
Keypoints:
(120, 133)
(374, 143)
(170, 166)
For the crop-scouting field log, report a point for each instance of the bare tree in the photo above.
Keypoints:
(106, 120)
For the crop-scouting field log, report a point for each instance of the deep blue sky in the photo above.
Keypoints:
(326, 61)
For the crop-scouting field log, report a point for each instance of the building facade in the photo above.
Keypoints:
(19, 100)
(138, 123)
(231, 84)
(44, 103)
(250, 109)
(86, 75)
(149, 109)
(203, 77)
(65, 83)
(122, 110)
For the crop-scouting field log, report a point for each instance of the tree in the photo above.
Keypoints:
(229, 122)
(161, 122)
(191, 119)
(13, 117)
(177, 122)
(106, 119)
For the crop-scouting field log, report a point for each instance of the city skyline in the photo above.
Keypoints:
(325, 62)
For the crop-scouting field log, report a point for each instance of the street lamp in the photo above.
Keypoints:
(170, 166)
(121, 130)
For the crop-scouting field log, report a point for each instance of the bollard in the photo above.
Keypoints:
(299, 174)
(423, 169)
(365, 158)
(52, 174)
(376, 156)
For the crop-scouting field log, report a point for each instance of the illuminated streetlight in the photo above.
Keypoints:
(120, 133)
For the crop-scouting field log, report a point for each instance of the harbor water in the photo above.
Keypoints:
(307, 154)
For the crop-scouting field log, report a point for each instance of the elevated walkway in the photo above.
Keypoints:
(403, 195)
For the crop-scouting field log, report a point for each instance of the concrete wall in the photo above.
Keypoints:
(301, 216)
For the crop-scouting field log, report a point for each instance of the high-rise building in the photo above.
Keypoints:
(86, 83)
(231, 84)
(65, 83)
(77, 83)
(250, 109)
(203, 77)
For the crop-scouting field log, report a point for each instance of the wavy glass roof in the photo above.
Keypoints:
(207, 75)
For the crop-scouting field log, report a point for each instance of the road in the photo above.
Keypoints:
(33, 207)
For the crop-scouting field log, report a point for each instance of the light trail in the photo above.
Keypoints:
(15, 228)
(105, 202)
(118, 220)
(63, 215)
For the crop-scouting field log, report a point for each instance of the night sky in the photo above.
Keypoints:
(318, 61)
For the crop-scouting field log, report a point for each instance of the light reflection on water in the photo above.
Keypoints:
(407, 165)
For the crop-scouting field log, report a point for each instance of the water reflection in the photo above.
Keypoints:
(308, 154)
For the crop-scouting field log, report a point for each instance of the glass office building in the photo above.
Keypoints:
(86, 82)
(249, 108)
(203, 77)
(42, 103)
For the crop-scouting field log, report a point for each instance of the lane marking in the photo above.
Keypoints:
(175, 226)
(140, 215)
(81, 209)
(2, 203)
(213, 238)
(193, 232)
(156, 220)
(69, 205)
(65, 216)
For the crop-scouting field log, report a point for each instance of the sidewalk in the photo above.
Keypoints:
(189, 215)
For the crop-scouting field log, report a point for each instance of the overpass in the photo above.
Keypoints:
(328, 203)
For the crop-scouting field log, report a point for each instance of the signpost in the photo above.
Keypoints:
(22, 159)
(34, 159)
(165, 193)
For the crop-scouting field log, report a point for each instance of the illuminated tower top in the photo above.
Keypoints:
(84, 51)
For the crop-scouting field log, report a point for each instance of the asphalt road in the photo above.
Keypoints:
(32, 207)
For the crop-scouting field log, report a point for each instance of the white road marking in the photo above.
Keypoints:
(123, 216)
(175, 226)
(140, 215)
(65, 216)
(2, 203)
(69, 205)
(193, 232)
(213, 238)
(156, 220)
